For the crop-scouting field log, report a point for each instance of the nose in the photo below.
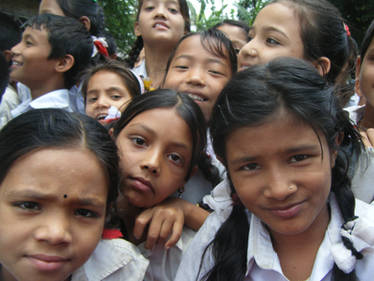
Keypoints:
(196, 77)
(279, 185)
(102, 102)
(151, 162)
(248, 52)
(54, 230)
(160, 11)
(16, 49)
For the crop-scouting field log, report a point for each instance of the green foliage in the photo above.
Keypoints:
(248, 9)
(120, 18)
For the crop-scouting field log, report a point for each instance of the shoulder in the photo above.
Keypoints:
(114, 259)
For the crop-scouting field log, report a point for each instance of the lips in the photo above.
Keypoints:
(101, 116)
(161, 25)
(141, 184)
(47, 263)
(288, 211)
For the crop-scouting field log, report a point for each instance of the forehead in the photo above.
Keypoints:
(279, 15)
(170, 2)
(106, 77)
(39, 34)
(158, 122)
(289, 131)
(193, 47)
(56, 171)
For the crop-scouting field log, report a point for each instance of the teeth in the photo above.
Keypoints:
(16, 63)
(101, 117)
(194, 97)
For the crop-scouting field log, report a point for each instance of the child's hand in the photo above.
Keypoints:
(368, 137)
(165, 222)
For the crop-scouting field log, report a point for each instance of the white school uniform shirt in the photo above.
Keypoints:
(113, 260)
(262, 260)
(163, 264)
(55, 99)
(363, 177)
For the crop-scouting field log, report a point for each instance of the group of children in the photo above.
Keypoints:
(223, 154)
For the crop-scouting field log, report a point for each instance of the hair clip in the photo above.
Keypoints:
(95, 1)
(347, 29)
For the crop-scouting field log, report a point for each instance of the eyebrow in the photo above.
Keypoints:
(293, 150)
(33, 195)
(210, 60)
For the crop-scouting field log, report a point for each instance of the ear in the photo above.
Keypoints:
(323, 65)
(65, 63)
(137, 29)
(86, 22)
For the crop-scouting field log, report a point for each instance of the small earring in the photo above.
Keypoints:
(180, 191)
(292, 187)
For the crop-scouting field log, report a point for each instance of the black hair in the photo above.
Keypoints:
(185, 107)
(250, 99)
(91, 9)
(238, 23)
(4, 75)
(369, 35)
(139, 43)
(10, 32)
(213, 41)
(323, 33)
(43, 128)
(66, 36)
(127, 76)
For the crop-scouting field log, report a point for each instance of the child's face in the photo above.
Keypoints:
(50, 7)
(155, 153)
(105, 89)
(275, 33)
(199, 73)
(160, 21)
(366, 75)
(282, 173)
(237, 35)
(52, 210)
(31, 65)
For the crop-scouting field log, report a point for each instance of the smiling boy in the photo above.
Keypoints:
(52, 52)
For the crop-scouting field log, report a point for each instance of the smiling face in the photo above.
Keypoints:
(105, 89)
(160, 21)
(275, 33)
(52, 210)
(154, 158)
(366, 75)
(199, 73)
(285, 182)
(30, 62)
(50, 7)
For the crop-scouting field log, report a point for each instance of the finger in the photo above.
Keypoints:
(154, 231)
(370, 136)
(175, 235)
(365, 139)
(166, 229)
(141, 223)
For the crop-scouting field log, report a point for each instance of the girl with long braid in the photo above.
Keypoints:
(280, 132)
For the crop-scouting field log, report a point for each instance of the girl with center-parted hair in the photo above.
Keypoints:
(58, 183)
(280, 132)
(160, 137)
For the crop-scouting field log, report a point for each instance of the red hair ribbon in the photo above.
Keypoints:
(101, 48)
(347, 29)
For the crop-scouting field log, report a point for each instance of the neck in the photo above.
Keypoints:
(42, 88)
(296, 256)
(155, 63)
(368, 118)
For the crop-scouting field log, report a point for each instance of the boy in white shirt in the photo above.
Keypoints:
(52, 52)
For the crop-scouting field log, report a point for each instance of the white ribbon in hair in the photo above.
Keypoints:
(102, 40)
(360, 232)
